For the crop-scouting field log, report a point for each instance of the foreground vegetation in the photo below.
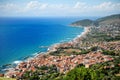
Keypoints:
(2, 78)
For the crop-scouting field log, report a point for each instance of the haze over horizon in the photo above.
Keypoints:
(53, 8)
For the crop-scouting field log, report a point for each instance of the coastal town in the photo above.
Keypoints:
(96, 45)
(63, 63)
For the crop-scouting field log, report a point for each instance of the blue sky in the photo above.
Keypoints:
(44, 8)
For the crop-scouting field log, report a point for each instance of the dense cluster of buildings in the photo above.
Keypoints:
(63, 63)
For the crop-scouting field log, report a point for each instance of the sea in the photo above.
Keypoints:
(22, 38)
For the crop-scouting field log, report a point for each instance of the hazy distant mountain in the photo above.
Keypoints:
(108, 19)
(101, 21)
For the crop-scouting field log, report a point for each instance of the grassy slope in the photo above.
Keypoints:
(2, 78)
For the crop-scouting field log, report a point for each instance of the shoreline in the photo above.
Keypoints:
(87, 49)
(52, 48)
(71, 42)
(74, 40)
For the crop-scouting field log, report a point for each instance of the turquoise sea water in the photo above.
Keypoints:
(23, 37)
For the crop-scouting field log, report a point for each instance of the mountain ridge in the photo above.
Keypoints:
(100, 21)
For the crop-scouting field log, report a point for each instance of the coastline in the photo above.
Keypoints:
(5, 67)
(52, 48)
(57, 45)
(63, 63)
(86, 50)
(74, 41)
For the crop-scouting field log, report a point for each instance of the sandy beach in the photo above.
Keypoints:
(72, 42)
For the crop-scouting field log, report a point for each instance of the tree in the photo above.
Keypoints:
(83, 73)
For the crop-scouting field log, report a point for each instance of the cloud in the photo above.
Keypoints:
(8, 7)
(106, 6)
(80, 5)
(57, 6)
(38, 8)
(81, 8)
(100, 7)
(35, 5)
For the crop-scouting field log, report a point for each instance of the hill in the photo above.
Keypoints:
(85, 22)
(109, 19)
(100, 21)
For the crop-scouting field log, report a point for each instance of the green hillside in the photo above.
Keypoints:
(109, 19)
(2, 78)
(85, 22)
(100, 21)
(116, 16)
